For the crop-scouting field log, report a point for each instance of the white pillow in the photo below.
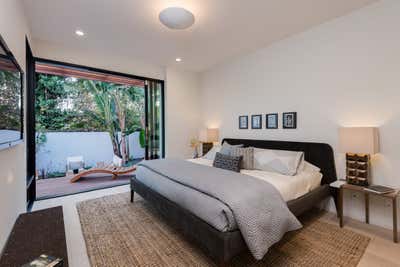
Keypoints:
(227, 148)
(213, 151)
(308, 167)
(280, 161)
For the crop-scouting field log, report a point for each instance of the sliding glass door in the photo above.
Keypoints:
(154, 102)
(92, 115)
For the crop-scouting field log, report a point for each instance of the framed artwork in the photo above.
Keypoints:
(289, 120)
(256, 121)
(271, 121)
(243, 122)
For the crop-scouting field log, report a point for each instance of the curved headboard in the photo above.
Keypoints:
(319, 154)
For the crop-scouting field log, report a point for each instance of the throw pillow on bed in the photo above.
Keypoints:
(227, 162)
(280, 161)
(226, 148)
(247, 154)
(211, 154)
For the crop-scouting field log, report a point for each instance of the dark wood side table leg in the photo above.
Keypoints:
(395, 234)
(340, 207)
(366, 207)
(335, 194)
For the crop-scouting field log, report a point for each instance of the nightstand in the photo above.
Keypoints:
(391, 196)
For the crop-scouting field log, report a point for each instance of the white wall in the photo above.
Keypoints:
(342, 73)
(93, 146)
(182, 103)
(13, 28)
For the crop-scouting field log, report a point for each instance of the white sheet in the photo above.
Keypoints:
(290, 187)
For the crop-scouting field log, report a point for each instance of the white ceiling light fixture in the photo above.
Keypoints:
(178, 59)
(79, 33)
(176, 18)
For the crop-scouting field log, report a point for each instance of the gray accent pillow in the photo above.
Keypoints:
(227, 162)
(227, 148)
(247, 154)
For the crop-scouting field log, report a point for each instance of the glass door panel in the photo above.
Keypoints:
(154, 119)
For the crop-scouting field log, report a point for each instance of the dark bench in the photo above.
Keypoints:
(36, 233)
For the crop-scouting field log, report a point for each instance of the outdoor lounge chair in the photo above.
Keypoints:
(113, 169)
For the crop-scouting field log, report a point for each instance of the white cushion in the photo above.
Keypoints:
(117, 161)
(76, 162)
(213, 151)
(280, 161)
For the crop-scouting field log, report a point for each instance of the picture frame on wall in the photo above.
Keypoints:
(256, 121)
(243, 122)
(289, 120)
(271, 121)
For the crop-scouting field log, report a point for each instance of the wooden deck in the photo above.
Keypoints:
(56, 187)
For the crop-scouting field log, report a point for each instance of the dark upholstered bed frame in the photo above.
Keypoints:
(223, 246)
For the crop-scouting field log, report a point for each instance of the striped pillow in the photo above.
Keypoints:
(247, 154)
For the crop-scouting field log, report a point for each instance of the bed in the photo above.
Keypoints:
(223, 240)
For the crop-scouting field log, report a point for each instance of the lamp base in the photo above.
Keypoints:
(357, 169)
(205, 147)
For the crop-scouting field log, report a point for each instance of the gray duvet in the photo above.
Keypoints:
(257, 208)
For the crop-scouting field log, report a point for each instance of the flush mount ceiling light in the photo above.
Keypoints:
(176, 18)
(79, 33)
(178, 59)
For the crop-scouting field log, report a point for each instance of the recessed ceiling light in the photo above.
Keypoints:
(79, 33)
(178, 59)
(176, 18)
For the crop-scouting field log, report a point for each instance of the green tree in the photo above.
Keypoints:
(116, 103)
(10, 109)
(69, 104)
(105, 109)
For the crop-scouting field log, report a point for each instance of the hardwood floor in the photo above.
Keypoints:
(381, 251)
(58, 187)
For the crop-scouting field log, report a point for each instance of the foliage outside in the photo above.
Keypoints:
(70, 104)
(10, 110)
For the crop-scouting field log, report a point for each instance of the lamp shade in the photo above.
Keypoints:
(209, 135)
(359, 140)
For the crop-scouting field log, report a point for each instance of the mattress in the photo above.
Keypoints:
(209, 209)
(214, 212)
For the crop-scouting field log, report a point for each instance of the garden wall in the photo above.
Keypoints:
(93, 146)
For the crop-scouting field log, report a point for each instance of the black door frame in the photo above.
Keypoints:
(31, 79)
(30, 127)
(146, 121)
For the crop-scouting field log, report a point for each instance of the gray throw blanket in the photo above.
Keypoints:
(260, 212)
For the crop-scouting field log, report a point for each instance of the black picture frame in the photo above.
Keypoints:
(289, 120)
(271, 118)
(256, 121)
(244, 122)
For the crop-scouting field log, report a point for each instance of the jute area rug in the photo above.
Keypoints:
(119, 233)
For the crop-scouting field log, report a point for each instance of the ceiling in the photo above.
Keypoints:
(223, 29)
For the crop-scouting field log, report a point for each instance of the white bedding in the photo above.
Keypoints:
(290, 187)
